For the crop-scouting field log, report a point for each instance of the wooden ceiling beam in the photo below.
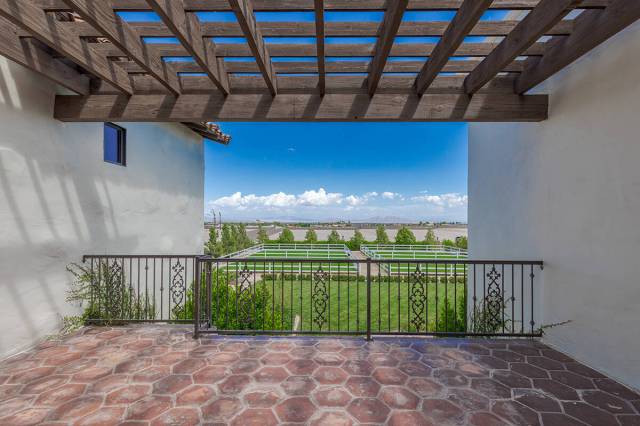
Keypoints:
(186, 28)
(333, 5)
(26, 52)
(537, 22)
(243, 10)
(331, 107)
(390, 25)
(46, 28)
(465, 19)
(592, 28)
(320, 25)
(101, 16)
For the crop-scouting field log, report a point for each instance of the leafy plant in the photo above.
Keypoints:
(103, 293)
(405, 236)
(453, 320)
(381, 235)
(286, 237)
(311, 237)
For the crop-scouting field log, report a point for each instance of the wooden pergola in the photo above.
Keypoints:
(116, 75)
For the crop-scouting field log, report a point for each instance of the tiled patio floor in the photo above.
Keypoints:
(160, 375)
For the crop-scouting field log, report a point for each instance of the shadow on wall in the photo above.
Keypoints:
(58, 200)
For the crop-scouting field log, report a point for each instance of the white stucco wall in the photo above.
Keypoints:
(58, 200)
(568, 191)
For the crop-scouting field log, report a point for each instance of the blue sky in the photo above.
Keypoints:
(323, 171)
(351, 171)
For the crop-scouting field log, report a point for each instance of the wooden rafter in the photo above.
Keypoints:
(100, 15)
(390, 25)
(547, 14)
(465, 19)
(186, 28)
(26, 52)
(592, 28)
(48, 30)
(333, 5)
(247, 20)
(319, 26)
(331, 107)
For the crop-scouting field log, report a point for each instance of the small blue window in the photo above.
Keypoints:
(115, 144)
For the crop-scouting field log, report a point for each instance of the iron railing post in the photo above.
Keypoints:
(368, 299)
(196, 301)
(209, 278)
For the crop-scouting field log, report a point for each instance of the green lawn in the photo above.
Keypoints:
(345, 310)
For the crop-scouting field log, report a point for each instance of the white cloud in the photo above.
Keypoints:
(449, 200)
(319, 198)
(390, 195)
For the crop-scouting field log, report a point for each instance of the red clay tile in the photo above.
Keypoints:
(210, 375)
(182, 416)
(301, 366)
(368, 410)
(332, 397)
(298, 385)
(172, 384)
(30, 416)
(450, 377)
(363, 386)
(389, 376)
(397, 397)
(270, 375)
(244, 366)
(515, 412)
(76, 408)
(358, 368)
(127, 394)
(333, 418)
(105, 416)
(235, 384)
(262, 399)
(485, 419)
(588, 414)
(296, 409)
(221, 409)
(255, 417)
(195, 395)
(330, 375)
(275, 358)
(537, 401)
(408, 418)
(148, 408)
(424, 388)
(468, 399)
(61, 394)
(441, 411)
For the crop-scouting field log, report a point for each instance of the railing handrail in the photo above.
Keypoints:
(138, 256)
(383, 261)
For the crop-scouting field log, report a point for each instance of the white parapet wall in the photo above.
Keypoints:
(567, 191)
(59, 199)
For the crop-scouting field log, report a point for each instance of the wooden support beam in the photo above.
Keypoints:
(592, 28)
(547, 14)
(247, 20)
(319, 12)
(101, 16)
(45, 28)
(186, 27)
(333, 5)
(26, 52)
(466, 18)
(331, 107)
(390, 25)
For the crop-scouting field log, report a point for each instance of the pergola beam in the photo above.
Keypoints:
(101, 16)
(592, 28)
(547, 14)
(331, 107)
(186, 27)
(319, 24)
(390, 25)
(465, 19)
(26, 52)
(247, 20)
(35, 21)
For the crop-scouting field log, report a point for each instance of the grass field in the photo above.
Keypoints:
(417, 253)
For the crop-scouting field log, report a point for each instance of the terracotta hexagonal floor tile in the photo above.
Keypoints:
(76, 408)
(606, 401)
(169, 358)
(301, 366)
(127, 394)
(210, 375)
(103, 416)
(363, 386)
(330, 375)
(109, 383)
(511, 379)
(588, 414)
(468, 399)
(389, 376)
(63, 359)
(358, 368)
(332, 418)
(424, 388)
(492, 362)
(515, 412)
(415, 369)
(255, 417)
(133, 365)
(616, 389)
(332, 397)
(31, 375)
(442, 412)
(245, 366)
(537, 401)
(14, 405)
(329, 346)
(558, 419)
(450, 377)
(195, 395)
(382, 360)
(232, 346)
(490, 388)
(178, 416)
(172, 384)
(221, 409)
(405, 354)
(233, 385)
(471, 369)
(583, 370)
(485, 419)
(529, 370)
(297, 409)
(298, 385)
(572, 380)
(91, 374)
(188, 366)
(354, 354)
(368, 410)
(556, 389)
(30, 416)
(148, 407)
(253, 353)
(399, 398)
(280, 346)
(151, 374)
(270, 375)
(303, 352)
(262, 399)
(275, 358)
(223, 359)
(328, 359)
(45, 383)
(408, 418)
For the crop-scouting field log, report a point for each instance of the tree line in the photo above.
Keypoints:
(234, 238)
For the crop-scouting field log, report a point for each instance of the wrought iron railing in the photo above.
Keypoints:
(456, 297)
(139, 288)
(367, 297)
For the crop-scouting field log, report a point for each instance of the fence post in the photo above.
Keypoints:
(196, 301)
(368, 299)
(209, 279)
